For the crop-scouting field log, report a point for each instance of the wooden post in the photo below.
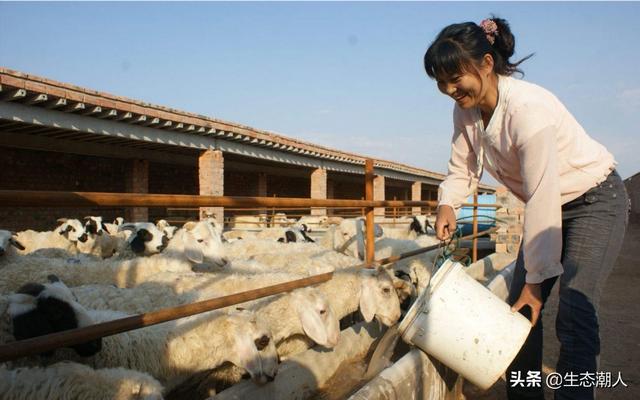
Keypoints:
(368, 194)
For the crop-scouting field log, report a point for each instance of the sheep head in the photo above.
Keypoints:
(146, 238)
(39, 309)
(253, 346)
(349, 236)
(200, 243)
(72, 229)
(378, 297)
(7, 239)
(319, 322)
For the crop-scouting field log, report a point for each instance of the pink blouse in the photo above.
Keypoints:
(537, 149)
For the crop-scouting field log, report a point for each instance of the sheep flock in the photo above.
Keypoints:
(89, 271)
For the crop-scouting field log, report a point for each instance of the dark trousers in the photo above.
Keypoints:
(593, 227)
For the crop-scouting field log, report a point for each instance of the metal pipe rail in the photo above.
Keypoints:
(40, 344)
(34, 198)
(412, 253)
(31, 198)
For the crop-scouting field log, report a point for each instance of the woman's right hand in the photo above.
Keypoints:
(445, 222)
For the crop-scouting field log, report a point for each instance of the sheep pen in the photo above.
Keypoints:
(149, 270)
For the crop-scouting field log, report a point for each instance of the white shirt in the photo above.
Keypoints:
(536, 148)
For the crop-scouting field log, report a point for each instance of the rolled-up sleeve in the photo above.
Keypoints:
(542, 238)
(462, 179)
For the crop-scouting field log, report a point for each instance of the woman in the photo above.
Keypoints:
(575, 202)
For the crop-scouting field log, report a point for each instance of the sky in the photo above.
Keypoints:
(344, 75)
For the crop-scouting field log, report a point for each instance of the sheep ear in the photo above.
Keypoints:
(191, 248)
(367, 299)
(312, 324)
(189, 225)
(61, 221)
(16, 244)
(104, 227)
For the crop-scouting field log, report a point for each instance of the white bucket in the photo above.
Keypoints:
(465, 326)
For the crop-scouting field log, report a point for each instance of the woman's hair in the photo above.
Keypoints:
(460, 47)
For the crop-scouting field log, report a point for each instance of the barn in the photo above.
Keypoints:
(58, 136)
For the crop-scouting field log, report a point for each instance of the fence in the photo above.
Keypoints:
(12, 198)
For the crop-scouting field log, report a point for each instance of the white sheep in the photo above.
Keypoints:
(145, 238)
(170, 351)
(370, 290)
(68, 380)
(253, 222)
(314, 221)
(166, 227)
(8, 243)
(196, 246)
(54, 243)
(298, 258)
(112, 227)
(349, 237)
(289, 234)
(302, 312)
(281, 220)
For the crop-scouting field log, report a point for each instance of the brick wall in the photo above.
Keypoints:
(40, 170)
(510, 222)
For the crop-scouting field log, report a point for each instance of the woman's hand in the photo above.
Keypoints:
(531, 296)
(445, 222)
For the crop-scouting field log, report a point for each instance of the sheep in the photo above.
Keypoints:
(101, 242)
(419, 228)
(299, 258)
(54, 243)
(314, 221)
(72, 229)
(371, 291)
(69, 380)
(143, 298)
(253, 222)
(167, 228)
(284, 235)
(146, 238)
(83, 270)
(39, 309)
(169, 351)
(348, 237)
(232, 236)
(95, 225)
(112, 227)
(195, 247)
(8, 240)
(280, 219)
(418, 267)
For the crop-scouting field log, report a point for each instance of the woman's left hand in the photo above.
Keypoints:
(531, 296)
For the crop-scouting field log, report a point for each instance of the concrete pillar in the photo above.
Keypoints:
(416, 195)
(137, 182)
(211, 180)
(378, 194)
(319, 189)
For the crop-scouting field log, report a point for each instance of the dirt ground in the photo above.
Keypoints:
(619, 316)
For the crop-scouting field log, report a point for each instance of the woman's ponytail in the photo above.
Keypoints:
(460, 45)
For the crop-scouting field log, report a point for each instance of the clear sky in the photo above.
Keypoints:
(343, 75)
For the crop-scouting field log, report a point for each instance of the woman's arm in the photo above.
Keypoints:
(538, 153)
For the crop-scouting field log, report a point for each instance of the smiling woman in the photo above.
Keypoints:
(574, 198)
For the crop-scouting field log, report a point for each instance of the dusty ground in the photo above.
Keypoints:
(619, 328)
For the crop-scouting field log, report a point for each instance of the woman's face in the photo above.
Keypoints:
(466, 89)
(469, 89)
